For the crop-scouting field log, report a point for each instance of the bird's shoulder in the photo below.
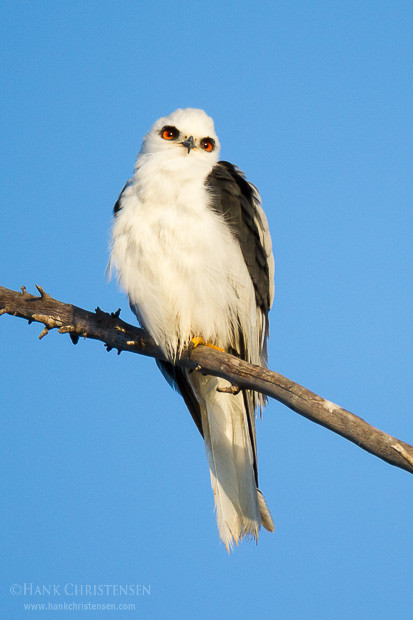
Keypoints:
(238, 202)
(118, 204)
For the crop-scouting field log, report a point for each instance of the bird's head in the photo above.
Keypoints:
(185, 135)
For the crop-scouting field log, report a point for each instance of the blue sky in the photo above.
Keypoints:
(104, 476)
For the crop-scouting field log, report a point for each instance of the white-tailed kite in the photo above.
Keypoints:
(192, 249)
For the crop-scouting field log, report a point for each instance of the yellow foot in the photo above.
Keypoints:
(199, 340)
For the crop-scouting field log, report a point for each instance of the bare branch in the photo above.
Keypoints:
(116, 334)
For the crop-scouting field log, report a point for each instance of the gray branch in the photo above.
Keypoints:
(116, 334)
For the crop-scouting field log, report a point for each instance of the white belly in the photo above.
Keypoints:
(182, 269)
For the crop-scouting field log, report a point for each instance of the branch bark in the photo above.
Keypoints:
(116, 334)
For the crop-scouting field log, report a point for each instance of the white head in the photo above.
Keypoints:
(186, 135)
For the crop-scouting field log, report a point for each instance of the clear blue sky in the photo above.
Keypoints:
(104, 476)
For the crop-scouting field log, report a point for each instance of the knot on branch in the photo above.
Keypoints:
(43, 295)
(103, 316)
(48, 322)
(109, 347)
(231, 389)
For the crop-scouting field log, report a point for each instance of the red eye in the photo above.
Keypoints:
(169, 133)
(208, 144)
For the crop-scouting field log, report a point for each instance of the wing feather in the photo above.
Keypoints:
(239, 203)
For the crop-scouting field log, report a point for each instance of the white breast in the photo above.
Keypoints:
(177, 260)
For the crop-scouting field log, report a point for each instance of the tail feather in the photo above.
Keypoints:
(266, 518)
(240, 507)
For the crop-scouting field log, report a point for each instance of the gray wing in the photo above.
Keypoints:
(118, 203)
(178, 379)
(238, 201)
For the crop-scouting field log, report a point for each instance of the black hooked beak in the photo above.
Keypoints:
(189, 143)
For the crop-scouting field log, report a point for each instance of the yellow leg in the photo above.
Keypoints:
(199, 340)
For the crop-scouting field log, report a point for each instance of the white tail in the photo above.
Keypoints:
(240, 507)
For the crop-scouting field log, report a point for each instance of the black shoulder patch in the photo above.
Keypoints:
(233, 197)
(118, 205)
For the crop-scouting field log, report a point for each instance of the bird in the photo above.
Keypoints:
(191, 247)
